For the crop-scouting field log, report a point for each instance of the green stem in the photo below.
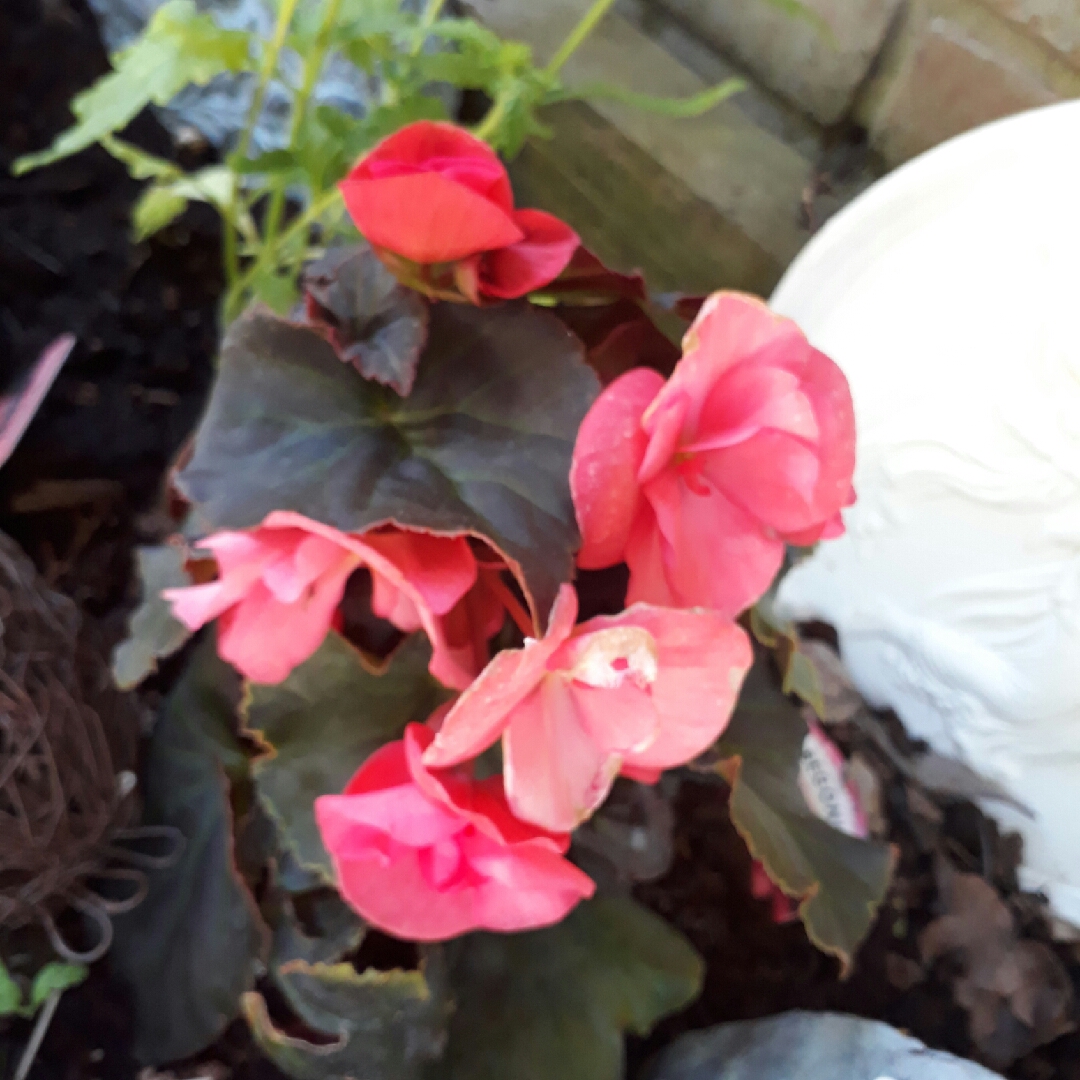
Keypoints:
(580, 32)
(268, 253)
(313, 66)
(266, 72)
(427, 20)
(492, 119)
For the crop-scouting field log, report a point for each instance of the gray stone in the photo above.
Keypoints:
(954, 65)
(723, 157)
(1057, 22)
(817, 60)
(809, 1046)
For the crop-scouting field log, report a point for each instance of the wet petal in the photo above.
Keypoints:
(611, 445)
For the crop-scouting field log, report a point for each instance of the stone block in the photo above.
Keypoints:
(1056, 22)
(633, 214)
(744, 172)
(816, 58)
(952, 65)
(808, 1046)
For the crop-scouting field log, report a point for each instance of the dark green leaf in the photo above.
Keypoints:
(801, 679)
(191, 948)
(335, 930)
(321, 724)
(481, 445)
(153, 632)
(800, 675)
(377, 325)
(840, 879)
(554, 1003)
(384, 1025)
(178, 47)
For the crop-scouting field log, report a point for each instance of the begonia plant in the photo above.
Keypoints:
(407, 676)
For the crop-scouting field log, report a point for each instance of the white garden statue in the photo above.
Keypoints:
(949, 293)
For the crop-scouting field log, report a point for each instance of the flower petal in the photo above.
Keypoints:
(196, 605)
(427, 217)
(531, 263)
(610, 447)
(556, 774)
(526, 886)
(702, 659)
(396, 896)
(482, 803)
(479, 716)
(265, 639)
(433, 146)
(647, 557)
(442, 569)
(715, 555)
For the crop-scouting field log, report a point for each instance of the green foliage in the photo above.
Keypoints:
(481, 445)
(53, 977)
(194, 945)
(153, 632)
(800, 676)
(839, 879)
(414, 57)
(178, 47)
(379, 1025)
(322, 723)
(555, 1002)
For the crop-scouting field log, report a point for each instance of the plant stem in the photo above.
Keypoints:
(313, 66)
(492, 119)
(266, 72)
(580, 32)
(431, 13)
(41, 1025)
(269, 250)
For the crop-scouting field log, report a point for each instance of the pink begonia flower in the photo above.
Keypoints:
(637, 692)
(427, 856)
(279, 585)
(697, 484)
(432, 196)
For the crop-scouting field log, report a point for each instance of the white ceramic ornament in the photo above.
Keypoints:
(949, 293)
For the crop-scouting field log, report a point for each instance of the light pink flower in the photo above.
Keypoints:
(697, 484)
(279, 585)
(637, 692)
(427, 856)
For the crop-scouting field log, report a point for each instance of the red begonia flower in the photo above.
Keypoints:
(637, 692)
(279, 585)
(429, 855)
(698, 483)
(435, 196)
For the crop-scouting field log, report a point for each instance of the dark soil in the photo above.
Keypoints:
(77, 492)
(144, 316)
(757, 968)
